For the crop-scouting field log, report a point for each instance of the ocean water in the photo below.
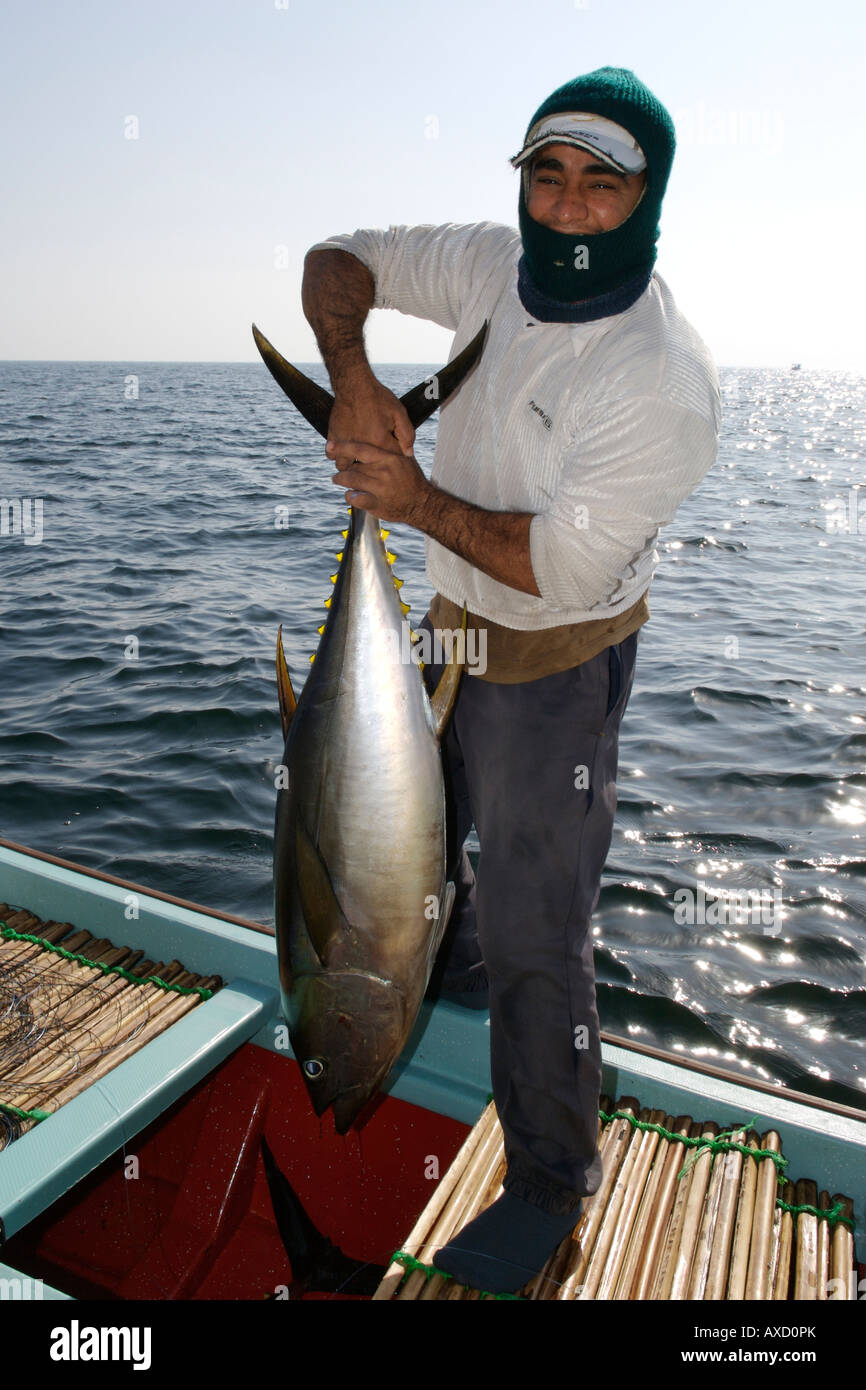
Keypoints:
(178, 513)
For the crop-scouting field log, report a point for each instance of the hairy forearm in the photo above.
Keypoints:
(495, 542)
(337, 295)
(393, 487)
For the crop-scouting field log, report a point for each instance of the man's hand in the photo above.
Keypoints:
(388, 484)
(393, 488)
(371, 412)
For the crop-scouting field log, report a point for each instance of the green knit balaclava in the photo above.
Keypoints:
(616, 266)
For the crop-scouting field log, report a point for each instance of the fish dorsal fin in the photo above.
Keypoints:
(288, 703)
(323, 916)
(315, 403)
(443, 697)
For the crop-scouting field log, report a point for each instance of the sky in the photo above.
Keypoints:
(166, 165)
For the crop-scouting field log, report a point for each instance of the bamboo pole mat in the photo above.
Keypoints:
(73, 1007)
(672, 1219)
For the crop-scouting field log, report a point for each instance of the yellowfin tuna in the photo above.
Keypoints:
(361, 899)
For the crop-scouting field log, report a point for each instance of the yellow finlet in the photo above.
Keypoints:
(333, 578)
(288, 703)
(321, 629)
(405, 607)
(328, 601)
(390, 556)
(398, 583)
(339, 554)
(345, 534)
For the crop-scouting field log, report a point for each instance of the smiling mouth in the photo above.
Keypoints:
(568, 228)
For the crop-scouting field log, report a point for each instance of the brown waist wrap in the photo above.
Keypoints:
(514, 656)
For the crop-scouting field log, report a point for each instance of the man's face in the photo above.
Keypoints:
(571, 191)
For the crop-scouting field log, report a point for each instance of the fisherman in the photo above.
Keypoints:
(593, 413)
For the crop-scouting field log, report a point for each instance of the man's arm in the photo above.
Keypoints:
(393, 488)
(337, 295)
(497, 543)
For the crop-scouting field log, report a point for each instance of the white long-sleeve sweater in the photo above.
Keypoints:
(599, 430)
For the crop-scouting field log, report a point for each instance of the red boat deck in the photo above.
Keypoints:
(184, 1212)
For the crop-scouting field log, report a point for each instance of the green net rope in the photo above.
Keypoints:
(722, 1143)
(411, 1265)
(24, 1114)
(832, 1214)
(11, 934)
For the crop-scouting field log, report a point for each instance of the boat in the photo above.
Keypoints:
(150, 1183)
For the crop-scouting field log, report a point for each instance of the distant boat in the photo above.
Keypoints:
(795, 366)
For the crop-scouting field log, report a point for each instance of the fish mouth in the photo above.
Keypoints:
(349, 1031)
(348, 1106)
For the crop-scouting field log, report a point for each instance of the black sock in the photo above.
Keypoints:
(506, 1246)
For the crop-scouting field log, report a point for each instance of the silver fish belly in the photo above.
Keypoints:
(360, 841)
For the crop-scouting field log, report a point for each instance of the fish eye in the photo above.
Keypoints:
(314, 1069)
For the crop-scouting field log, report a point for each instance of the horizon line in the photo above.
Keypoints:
(416, 362)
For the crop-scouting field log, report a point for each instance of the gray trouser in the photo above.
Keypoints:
(533, 765)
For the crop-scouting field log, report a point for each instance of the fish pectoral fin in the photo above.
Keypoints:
(443, 697)
(324, 918)
(288, 703)
(445, 914)
(441, 923)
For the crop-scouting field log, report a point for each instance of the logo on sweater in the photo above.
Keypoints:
(546, 420)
